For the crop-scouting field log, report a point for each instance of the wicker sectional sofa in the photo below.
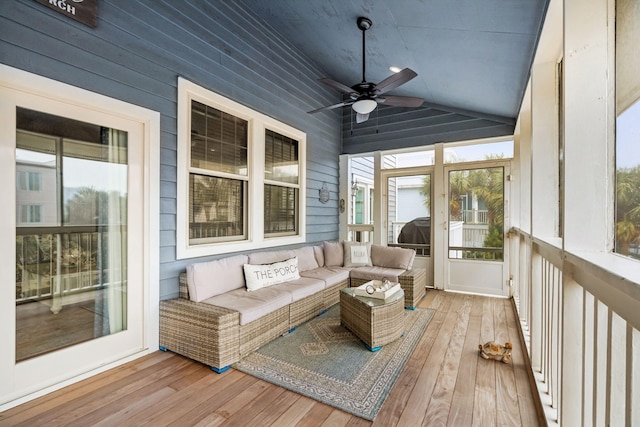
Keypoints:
(222, 313)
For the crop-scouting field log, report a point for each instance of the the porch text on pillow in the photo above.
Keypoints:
(260, 276)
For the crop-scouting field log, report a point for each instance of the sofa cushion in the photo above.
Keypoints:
(306, 258)
(263, 275)
(269, 257)
(385, 256)
(302, 288)
(208, 279)
(330, 275)
(333, 254)
(252, 305)
(357, 254)
(376, 273)
(318, 251)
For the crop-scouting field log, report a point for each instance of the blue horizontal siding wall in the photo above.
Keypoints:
(390, 128)
(136, 54)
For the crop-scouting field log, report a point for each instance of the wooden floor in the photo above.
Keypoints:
(445, 382)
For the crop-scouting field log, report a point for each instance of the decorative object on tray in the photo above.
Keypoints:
(379, 289)
(495, 351)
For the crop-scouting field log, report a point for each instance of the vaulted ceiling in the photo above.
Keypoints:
(472, 57)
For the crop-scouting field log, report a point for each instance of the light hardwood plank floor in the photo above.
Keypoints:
(444, 383)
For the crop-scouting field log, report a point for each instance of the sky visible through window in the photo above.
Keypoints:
(628, 138)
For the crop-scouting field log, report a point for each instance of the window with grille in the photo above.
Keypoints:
(240, 176)
(281, 185)
(218, 175)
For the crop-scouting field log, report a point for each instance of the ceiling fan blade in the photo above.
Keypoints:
(400, 101)
(331, 107)
(361, 118)
(395, 80)
(337, 85)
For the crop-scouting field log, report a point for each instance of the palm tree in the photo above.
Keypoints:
(627, 208)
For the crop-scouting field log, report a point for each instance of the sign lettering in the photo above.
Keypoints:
(84, 11)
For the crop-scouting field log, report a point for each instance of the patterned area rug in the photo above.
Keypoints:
(324, 361)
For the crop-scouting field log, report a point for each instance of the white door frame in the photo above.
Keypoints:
(475, 276)
(31, 378)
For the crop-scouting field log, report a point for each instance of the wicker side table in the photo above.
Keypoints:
(375, 321)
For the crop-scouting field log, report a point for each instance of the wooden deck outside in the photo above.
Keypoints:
(445, 382)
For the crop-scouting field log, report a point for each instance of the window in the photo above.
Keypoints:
(478, 152)
(627, 225)
(29, 181)
(30, 214)
(217, 175)
(240, 176)
(413, 158)
(281, 185)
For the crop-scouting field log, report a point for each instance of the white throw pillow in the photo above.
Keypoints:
(357, 254)
(262, 275)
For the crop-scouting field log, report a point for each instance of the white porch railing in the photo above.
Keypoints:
(360, 232)
(580, 321)
(55, 265)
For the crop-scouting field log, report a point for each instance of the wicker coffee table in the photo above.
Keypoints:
(375, 321)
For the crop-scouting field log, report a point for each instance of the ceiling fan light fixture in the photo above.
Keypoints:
(364, 106)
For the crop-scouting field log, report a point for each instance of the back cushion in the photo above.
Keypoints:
(333, 254)
(261, 276)
(384, 256)
(319, 253)
(269, 257)
(306, 258)
(208, 279)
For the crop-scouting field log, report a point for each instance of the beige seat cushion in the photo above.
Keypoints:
(330, 275)
(253, 305)
(302, 287)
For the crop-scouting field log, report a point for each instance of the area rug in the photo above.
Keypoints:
(324, 361)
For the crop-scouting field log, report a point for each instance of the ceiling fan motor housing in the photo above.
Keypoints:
(364, 23)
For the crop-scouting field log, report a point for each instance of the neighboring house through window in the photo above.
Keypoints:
(29, 181)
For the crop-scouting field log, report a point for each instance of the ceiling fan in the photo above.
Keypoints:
(365, 96)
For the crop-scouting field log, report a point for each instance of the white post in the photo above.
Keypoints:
(570, 410)
(439, 228)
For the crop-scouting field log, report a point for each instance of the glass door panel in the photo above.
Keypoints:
(408, 212)
(476, 213)
(71, 232)
(476, 248)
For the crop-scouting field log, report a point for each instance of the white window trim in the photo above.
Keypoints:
(257, 124)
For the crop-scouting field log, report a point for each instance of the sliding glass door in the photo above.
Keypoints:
(74, 253)
(71, 232)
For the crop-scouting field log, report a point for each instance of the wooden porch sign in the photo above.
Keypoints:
(84, 11)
